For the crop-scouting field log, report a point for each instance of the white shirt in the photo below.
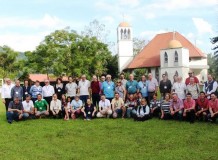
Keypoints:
(48, 91)
(84, 87)
(71, 89)
(180, 89)
(6, 90)
(27, 105)
(104, 104)
(55, 105)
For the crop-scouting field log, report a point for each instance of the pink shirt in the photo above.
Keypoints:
(176, 104)
(213, 105)
(189, 104)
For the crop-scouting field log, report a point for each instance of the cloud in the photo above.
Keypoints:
(202, 26)
(129, 3)
(107, 19)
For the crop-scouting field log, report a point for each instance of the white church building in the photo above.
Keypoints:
(170, 53)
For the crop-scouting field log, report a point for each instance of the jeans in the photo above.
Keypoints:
(95, 99)
(84, 98)
(12, 116)
(130, 112)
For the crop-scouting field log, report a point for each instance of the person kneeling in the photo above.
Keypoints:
(118, 106)
(165, 108)
(28, 108)
(89, 110)
(77, 105)
(142, 111)
(15, 110)
(104, 108)
(189, 108)
(55, 107)
(41, 107)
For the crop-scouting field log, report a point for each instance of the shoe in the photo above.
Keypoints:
(10, 122)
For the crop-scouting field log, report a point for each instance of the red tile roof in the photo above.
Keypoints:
(43, 77)
(150, 55)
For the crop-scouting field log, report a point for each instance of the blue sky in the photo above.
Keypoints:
(24, 23)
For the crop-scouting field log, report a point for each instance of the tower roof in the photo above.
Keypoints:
(174, 44)
(124, 24)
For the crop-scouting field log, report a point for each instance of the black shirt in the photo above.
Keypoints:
(165, 87)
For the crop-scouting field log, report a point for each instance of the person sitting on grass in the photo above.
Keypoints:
(165, 107)
(139, 98)
(15, 110)
(89, 110)
(202, 107)
(213, 108)
(41, 107)
(28, 108)
(104, 107)
(77, 105)
(189, 108)
(131, 105)
(176, 107)
(118, 107)
(155, 106)
(142, 111)
(67, 108)
(55, 106)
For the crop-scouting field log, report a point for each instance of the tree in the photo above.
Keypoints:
(138, 45)
(7, 61)
(214, 41)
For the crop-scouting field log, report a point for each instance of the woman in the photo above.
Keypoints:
(26, 89)
(155, 106)
(193, 88)
(120, 90)
(55, 107)
(59, 88)
(131, 104)
(165, 107)
(89, 110)
(68, 109)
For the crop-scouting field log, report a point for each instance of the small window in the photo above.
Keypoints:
(176, 57)
(165, 57)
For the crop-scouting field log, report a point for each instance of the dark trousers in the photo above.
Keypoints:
(95, 98)
(214, 117)
(178, 116)
(48, 100)
(7, 101)
(59, 115)
(146, 117)
(167, 116)
(150, 97)
(89, 116)
(12, 116)
(110, 99)
(84, 98)
(190, 116)
(156, 112)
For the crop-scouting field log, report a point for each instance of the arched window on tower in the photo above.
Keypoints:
(125, 36)
(176, 58)
(165, 57)
(129, 35)
(121, 33)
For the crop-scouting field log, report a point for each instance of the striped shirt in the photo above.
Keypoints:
(165, 106)
(154, 103)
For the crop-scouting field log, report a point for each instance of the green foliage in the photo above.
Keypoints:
(138, 45)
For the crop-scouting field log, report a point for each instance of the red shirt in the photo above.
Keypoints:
(187, 81)
(202, 104)
(189, 104)
(213, 105)
(95, 86)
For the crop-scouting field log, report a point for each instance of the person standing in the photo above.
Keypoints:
(28, 107)
(17, 91)
(210, 86)
(120, 90)
(71, 88)
(59, 88)
(143, 87)
(193, 88)
(131, 86)
(6, 92)
(108, 88)
(179, 88)
(35, 90)
(15, 110)
(191, 75)
(95, 90)
(47, 91)
(165, 86)
(84, 88)
(123, 80)
(26, 89)
(152, 87)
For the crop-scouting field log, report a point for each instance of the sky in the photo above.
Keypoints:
(25, 23)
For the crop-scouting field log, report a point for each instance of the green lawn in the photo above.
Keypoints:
(107, 139)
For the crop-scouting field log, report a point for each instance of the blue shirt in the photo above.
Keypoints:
(108, 89)
(76, 104)
(143, 88)
(131, 86)
(34, 91)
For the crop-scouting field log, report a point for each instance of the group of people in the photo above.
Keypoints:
(104, 98)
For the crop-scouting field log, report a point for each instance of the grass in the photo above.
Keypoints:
(107, 139)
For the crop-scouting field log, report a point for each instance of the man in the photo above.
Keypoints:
(84, 88)
(89, 110)
(213, 108)
(123, 80)
(15, 110)
(191, 74)
(142, 111)
(77, 105)
(26, 89)
(55, 107)
(35, 90)
(131, 86)
(176, 107)
(189, 108)
(95, 90)
(118, 106)
(101, 82)
(28, 107)
(152, 87)
(179, 88)
(131, 105)
(108, 88)
(17, 91)
(210, 86)
(165, 86)
(6, 92)
(143, 87)
(202, 107)
(104, 108)
(71, 88)
(47, 91)
(41, 107)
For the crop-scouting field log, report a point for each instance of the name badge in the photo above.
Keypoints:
(16, 92)
(26, 93)
(130, 86)
(89, 112)
(108, 87)
(59, 90)
(165, 87)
